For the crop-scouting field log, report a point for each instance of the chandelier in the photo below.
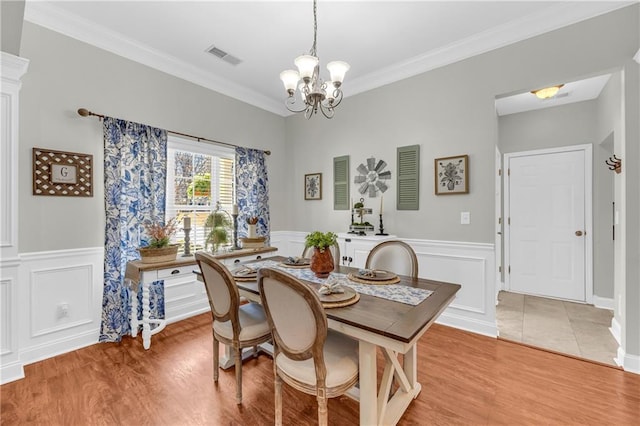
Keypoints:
(315, 93)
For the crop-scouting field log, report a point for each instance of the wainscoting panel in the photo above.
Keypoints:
(61, 296)
(11, 368)
(472, 266)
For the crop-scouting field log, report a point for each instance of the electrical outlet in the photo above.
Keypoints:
(63, 310)
(465, 218)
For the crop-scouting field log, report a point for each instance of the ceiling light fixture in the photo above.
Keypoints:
(316, 94)
(547, 92)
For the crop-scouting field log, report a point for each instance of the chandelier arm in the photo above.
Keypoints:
(290, 103)
(327, 111)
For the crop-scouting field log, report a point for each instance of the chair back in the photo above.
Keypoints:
(335, 253)
(222, 291)
(394, 256)
(296, 317)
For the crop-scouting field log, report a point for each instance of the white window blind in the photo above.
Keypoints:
(199, 175)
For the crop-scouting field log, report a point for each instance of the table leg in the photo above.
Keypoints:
(368, 384)
(133, 317)
(146, 327)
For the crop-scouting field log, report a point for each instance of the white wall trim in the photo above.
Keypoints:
(603, 302)
(60, 346)
(631, 363)
(616, 331)
(10, 372)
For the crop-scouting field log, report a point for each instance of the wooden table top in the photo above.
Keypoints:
(397, 320)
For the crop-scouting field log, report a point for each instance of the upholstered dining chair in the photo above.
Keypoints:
(335, 252)
(307, 355)
(238, 326)
(394, 256)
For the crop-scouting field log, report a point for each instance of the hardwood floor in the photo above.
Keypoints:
(467, 379)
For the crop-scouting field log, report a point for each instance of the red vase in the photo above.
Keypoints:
(322, 262)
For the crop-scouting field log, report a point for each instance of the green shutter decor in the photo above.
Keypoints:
(408, 177)
(341, 183)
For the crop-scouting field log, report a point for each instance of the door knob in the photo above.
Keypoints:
(578, 233)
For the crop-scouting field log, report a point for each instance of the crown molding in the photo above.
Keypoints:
(551, 18)
(48, 16)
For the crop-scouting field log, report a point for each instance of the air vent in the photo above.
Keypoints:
(219, 53)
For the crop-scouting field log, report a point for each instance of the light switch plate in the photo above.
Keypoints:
(465, 218)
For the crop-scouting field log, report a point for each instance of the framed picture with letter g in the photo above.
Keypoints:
(313, 186)
(452, 175)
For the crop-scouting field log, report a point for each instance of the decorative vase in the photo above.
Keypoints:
(158, 255)
(322, 262)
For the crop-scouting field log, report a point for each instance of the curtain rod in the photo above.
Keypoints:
(86, 113)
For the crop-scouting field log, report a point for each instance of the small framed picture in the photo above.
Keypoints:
(313, 186)
(62, 173)
(452, 175)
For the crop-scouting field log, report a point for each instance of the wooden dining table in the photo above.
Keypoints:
(392, 326)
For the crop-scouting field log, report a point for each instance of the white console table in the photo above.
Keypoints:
(140, 274)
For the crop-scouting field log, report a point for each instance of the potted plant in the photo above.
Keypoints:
(218, 225)
(322, 260)
(160, 248)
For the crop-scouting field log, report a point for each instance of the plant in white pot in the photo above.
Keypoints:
(160, 248)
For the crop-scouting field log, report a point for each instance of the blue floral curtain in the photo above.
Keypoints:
(252, 191)
(135, 170)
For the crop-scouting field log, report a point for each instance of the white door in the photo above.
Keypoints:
(547, 224)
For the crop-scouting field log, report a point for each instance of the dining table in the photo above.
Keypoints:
(391, 317)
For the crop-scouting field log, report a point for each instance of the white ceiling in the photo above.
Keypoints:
(383, 41)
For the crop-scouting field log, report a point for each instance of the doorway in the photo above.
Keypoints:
(548, 223)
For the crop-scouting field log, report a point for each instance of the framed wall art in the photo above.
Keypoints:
(452, 175)
(313, 186)
(62, 173)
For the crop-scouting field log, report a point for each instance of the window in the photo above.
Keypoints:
(199, 176)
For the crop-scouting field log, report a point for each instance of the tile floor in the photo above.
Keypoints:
(572, 328)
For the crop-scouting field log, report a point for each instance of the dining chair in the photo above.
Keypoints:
(307, 355)
(307, 252)
(236, 325)
(395, 256)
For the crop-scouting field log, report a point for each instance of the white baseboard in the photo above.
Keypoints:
(468, 324)
(603, 302)
(616, 330)
(631, 363)
(29, 355)
(11, 372)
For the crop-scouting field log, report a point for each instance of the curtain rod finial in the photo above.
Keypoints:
(84, 112)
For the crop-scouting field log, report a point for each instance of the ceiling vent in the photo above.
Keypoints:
(219, 53)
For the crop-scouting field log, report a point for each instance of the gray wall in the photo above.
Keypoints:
(11, 14)
(573, 124)
(64, 75)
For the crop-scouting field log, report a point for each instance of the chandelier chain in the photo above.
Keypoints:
(315, 30)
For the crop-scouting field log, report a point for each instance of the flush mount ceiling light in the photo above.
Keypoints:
(547, 92)
(315, 93)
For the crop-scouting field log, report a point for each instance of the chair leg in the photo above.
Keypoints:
(238, 367)
(216, 359)
(278, 397)
(323, 417)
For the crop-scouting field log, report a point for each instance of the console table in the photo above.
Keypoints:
(140, 274)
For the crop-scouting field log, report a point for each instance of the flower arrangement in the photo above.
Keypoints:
(320, 240)
(161, 234)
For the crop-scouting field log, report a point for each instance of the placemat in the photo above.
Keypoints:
(360, 280)
(292, 266)
(343, 303)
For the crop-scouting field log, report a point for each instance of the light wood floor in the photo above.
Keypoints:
(467, 379)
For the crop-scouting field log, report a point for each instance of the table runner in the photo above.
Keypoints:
(395, 292)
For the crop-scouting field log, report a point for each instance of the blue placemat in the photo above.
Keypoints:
(395, 292)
